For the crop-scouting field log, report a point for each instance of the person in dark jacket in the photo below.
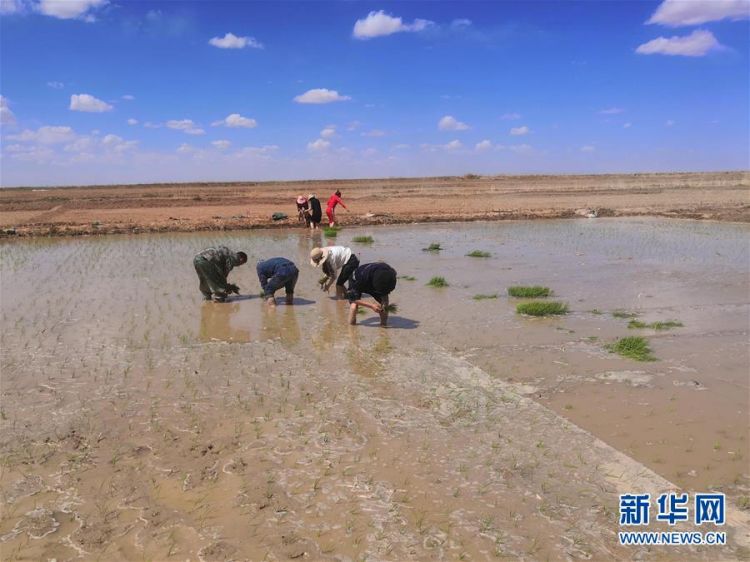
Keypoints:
(275, 273)
(375, 279)
(316, 212)
(212, 266)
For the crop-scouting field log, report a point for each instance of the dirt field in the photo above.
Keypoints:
(206, 206)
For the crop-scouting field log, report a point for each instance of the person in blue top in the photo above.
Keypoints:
(275, 273)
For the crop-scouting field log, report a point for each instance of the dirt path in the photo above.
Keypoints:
(191, 207)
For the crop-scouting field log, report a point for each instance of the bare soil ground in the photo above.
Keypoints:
(231, 206)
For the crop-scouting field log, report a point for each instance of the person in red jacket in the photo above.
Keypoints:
(332, 202)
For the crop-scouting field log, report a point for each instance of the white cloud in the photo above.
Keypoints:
(45, 135)
(8, 7)
(70, 9)
(627, 125)
(611, 111)
(185, 148)
(374, 133)
(128, 97)
(483, 145)
(461, 23)
(379, 24)
(588, 148)
(150, 125)
(81, 144)
(132, 121)
(236, 120)
(232, 41)
(510, 116)
(88, 103)
(401, 147)
(353, 126)
(697, 44)
(56, 85)
(221, 144)
(320, 95)
(256, 151)
(186, 126)
(669, 123)
(117, 144)
(450, 123)
(520, 131)
(328, 132)
(6, 115)
(675, 13)
(320, 145)
(453, 145)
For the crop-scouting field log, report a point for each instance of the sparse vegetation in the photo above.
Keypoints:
(633, 347)
(542, 308)
(330, 231)
(363, 239)
(434, 247)
(437, 282)
(472, 177)
(478, 254)
(392, 307)
(529, 292)
(407, 277)
(620, 313)
(668, 325)
(484, 297)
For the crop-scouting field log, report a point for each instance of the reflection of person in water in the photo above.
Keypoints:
(216, 324)
(283, 326)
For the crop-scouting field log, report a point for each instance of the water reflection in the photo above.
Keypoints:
(280, 322)
(216, 323)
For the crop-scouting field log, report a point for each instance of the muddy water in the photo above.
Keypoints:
(140, 422)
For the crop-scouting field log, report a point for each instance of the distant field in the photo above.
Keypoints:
(206, 206)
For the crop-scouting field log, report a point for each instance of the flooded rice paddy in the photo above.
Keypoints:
(139, 422)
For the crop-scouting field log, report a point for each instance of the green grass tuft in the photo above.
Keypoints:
(484, 297)
(434, 247)
(437, 282)
(363, 239)
(668, 325)
(407, 277)
(541, 308)
(633, 347)
(392, 307)
(478, 254)
(523, 291)
(330, 232)
(619, 313)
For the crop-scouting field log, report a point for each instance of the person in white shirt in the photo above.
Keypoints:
(335, 260)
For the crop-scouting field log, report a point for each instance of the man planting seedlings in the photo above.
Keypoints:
(375, 279)
(212, 266)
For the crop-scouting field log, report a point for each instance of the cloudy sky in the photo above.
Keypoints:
(107, 91)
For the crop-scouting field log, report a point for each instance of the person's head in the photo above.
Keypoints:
(338, 192)
(242, 257)
(311, 196)
(301, 200)
(317, 257)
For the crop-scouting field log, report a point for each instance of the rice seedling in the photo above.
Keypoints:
(478, 254)
(620, 313)
(481, 297)
(434, 247)
(330, 232)
(539, 308)
(437, 282)
(363, 239)
(407, 277)
(668, 325)
(392, 307)
(633, 347)
(528, 292)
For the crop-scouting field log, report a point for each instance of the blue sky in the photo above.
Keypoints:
(98, 91)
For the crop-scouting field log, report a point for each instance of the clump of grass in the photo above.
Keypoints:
(668, 325)
(540, 308)
(596, 311)
(484, 297)
(330, 231)
(619, 313)
(633, 347)
(534, 292)
(478, 254)
(437, 282)
(434, 247)
(407, 277)
(363, 239)
(392, 307)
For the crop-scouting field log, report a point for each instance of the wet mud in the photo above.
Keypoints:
(139, 422)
